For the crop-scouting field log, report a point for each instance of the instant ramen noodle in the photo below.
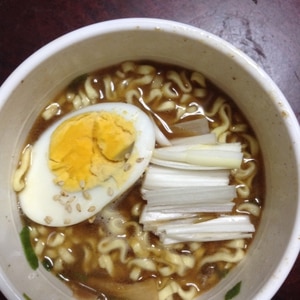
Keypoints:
(186, 221)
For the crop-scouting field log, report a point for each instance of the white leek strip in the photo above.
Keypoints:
(162, 177)
(209, 138)
(236, 223)
(158, 216)
(227, 147)
(228, 155)
(195, 127)
(176, 197)
(152, 225)
(197, 208)
(222, 228)
(203, 237)
(160, 138)
(190, 195)
(181, 165)
(188, 219)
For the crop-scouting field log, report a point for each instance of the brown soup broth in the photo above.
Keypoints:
(72, 253)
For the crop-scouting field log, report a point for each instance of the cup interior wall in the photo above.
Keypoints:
(43, 76)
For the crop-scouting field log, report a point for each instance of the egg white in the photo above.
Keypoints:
(39, 200)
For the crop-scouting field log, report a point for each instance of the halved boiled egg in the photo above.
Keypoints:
(85, 160)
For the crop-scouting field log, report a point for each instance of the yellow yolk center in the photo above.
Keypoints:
(88, 149)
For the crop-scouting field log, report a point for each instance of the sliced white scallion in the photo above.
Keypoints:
(190, 195)
(187, 186)
(220, 224)
(204, 237)
(161, 139)
(226, 147)
(158, 216)
(196, 208)
(195, 127)
(227, 155)
(222, 228)
(162, 177)
(181, 165)
(209, 138)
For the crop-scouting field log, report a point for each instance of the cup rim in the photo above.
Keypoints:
(284, 266)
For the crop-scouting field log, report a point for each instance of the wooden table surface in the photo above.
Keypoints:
(267, 30)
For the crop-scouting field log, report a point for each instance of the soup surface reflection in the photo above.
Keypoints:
(111, 255)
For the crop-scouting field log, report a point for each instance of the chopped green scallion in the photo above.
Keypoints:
(26, 297)
(28, 249)
(233, 291)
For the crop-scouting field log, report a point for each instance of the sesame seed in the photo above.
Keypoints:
(60, 183)
(82, 184)
(71, 199)
(86, 195)
(92, 208)
(110, 191)
(92, 219)
(64, 194)
(127, 167)
(78, 207)
(48, 219)
(67, 221)
(68, 208)
(56, 197)
(140, 159)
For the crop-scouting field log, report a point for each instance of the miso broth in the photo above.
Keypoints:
(111, 256)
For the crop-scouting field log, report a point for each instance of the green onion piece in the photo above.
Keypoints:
(26, 297)
(28, 250)
(74, 84)
(233, 292)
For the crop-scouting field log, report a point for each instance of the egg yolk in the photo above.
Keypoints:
(88, 149)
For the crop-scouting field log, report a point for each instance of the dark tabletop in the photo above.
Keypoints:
(267, 30)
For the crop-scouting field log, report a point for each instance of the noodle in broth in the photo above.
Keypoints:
(110, 256)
